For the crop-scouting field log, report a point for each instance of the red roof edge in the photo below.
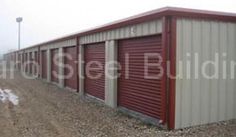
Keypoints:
(166, 11)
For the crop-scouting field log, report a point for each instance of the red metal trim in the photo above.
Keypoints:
(164, 58)
(77, 63)
(172, 59)
(167, 11)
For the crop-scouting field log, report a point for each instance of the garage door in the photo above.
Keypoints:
(44, 64)
(136, 92)
(70, 60)
(23, 61)
(54, 65)
(19, 61)
(94, 77)
(30, 63)
(26, 65)
(35, 62)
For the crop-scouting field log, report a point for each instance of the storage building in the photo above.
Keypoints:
(181, 44)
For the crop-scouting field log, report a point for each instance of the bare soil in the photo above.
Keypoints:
(46, 110)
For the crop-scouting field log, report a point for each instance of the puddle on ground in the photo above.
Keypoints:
(7, 95)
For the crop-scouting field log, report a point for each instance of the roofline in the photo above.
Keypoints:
(146, 16)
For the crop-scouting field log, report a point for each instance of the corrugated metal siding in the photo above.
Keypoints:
(61, 44)
(54, 65)
(95, 86)
(201, 100)
(70, 59)
(31, 50)
(143, 29)
(136, 92)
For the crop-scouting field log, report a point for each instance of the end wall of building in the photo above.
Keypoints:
(199, 99)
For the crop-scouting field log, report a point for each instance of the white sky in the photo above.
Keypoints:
(48, 19)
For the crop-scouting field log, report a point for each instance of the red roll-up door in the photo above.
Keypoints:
(30, 63)
(26, 65)
(136, 92)
(54, 65)
(94, 79)
(19, 61)
(70, 69)
(44, 64)
(23, 61)
(36, 64)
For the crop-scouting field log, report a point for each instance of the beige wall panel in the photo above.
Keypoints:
(230, 83)
(222, 82)
(31, 50)
(201, 100)
(142, 29)
(195, 88)
(66, 43)
(214, 92)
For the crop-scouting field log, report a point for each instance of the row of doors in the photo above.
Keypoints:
(136, 91)
(29, 61)
(69, 60)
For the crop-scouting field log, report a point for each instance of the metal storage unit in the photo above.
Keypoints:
(54, 65)
(178, 33)
(44, 64)
(189, 101)
(95, 86)
(71, 60)
(135, 92)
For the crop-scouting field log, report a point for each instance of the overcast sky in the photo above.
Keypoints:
(48, 19)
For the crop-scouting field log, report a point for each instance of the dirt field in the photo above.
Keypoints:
(45, 110)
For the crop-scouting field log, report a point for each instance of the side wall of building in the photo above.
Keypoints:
(201, 46)
(131, 31)
(60, 47)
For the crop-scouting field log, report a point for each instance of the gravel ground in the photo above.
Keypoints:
(45, 110)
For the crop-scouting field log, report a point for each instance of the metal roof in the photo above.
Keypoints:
(166, 11)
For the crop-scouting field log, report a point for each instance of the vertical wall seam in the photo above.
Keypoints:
(191, 76)
(201, 42)
(210, 71)
(227, 57)
(218, 81)
(181, 87)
